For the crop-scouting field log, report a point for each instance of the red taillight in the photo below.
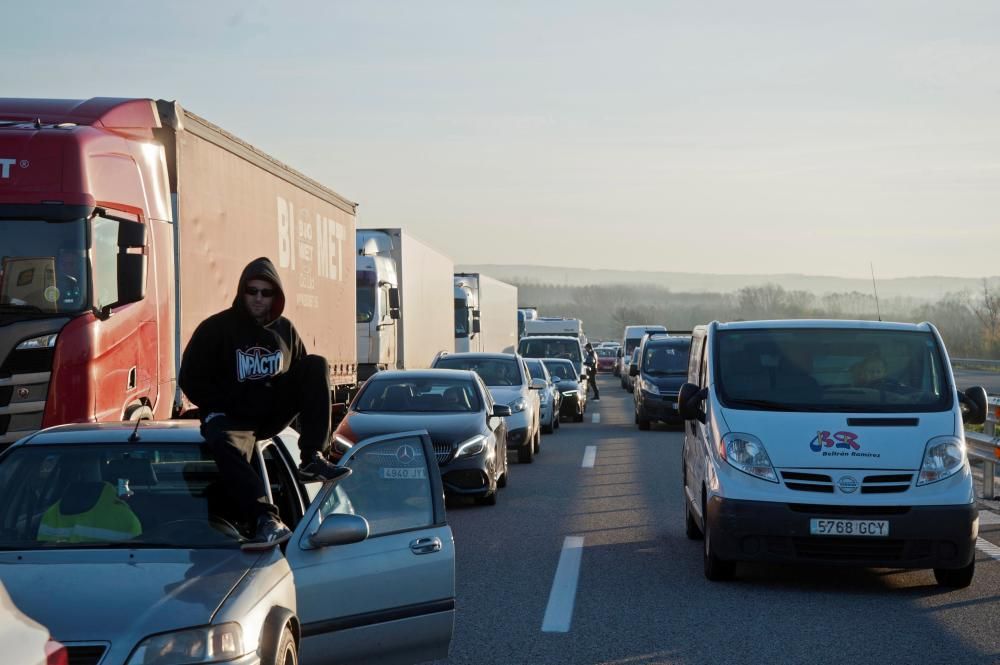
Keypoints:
(55, 653)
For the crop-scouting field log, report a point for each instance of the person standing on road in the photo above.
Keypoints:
(591, 363)
(247, 370)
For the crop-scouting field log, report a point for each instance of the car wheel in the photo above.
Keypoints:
(488, 499)
(643, 423)
(716, 569)
(287, 652)
(956, 578)
(548, 429)
(526, 453)
(691, 529)
(538, 442)
(555, 422)
(502, 480)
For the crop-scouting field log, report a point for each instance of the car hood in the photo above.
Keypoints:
(507, 394)
(567, 384)
(441, 427)
(666, 383)
(104, 595)
(826, 440)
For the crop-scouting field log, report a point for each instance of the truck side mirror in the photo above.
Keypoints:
(394, 299)
(687, 407)
(475, 324)
(975, 403)
(131, 278)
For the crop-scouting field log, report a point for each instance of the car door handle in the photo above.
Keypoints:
(426, 545)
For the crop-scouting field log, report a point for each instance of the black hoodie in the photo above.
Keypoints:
(231, 359)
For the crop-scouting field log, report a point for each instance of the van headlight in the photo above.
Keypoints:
(944, 456)
(649, 387)
(746, 453)
(209, 644)
(518, 405)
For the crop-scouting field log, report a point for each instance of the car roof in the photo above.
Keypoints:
(149, 431)
(477, 354)
(825, 323)
(557, 360)
(403, 374)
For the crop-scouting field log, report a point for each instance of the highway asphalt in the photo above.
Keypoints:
(638, 595)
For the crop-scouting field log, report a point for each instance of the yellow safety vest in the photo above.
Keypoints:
(110, 519)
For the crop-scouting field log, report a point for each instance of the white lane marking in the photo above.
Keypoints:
(596, 418)
(589, 455)
(986, 547)
(988, 518)
(559, 611)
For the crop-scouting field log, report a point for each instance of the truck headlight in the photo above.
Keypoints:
(209, 644)
(944, 456)
(518, 405)
(40, 342)
(470, 447)
(746, 453)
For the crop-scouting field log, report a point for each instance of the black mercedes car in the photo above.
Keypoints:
(466, 427)
(661, 369)
(573, 390)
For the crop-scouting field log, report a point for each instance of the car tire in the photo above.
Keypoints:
(488, 499)
(556, 421)
(547, 429)
(716, 569)
(288, 653)
(578, 417)
(956, 578)
(691, 529)
(538, 441)
(526, 453)
(643, 423)
(502, 480)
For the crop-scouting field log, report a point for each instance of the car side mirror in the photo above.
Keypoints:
(339, 529)
(687, 406)
(618, 353)
(538, 384)
(556, 379)
(976, 405)
(633, 370)
(501, 411)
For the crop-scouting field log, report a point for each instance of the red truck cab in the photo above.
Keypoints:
(86, 243)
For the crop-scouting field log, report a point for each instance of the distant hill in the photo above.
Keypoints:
(929, 288)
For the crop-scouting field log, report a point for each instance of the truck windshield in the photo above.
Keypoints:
(461, 319)
(115, 495)
(43, 266)
(843, 370)
(568, 348)
(366, 303)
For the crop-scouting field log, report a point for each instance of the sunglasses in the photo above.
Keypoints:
(253, 290)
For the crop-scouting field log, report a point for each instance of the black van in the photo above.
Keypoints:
(662, 369)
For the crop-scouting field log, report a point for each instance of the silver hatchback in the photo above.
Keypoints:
(128, 550)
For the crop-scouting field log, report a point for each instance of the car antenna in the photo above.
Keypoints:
(878, 312)
(134, 436)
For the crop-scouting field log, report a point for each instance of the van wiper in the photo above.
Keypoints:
(770, 405)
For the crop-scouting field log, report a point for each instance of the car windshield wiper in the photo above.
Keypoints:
(770, 405)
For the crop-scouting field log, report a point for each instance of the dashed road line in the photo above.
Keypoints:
(986, 547)
(988, 518)
(596, 418)
(559, 611)
(589, 455)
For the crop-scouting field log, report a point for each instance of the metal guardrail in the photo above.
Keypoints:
(985, 446)
(976, 362)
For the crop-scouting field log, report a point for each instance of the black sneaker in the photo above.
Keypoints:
(271, 532)
(316, 467)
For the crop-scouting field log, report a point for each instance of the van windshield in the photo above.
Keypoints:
(568, 349)
(843, 370)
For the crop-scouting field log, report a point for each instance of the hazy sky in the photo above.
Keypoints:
(729, 137)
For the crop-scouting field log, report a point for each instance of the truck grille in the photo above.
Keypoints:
(89, 654)
(22, 403)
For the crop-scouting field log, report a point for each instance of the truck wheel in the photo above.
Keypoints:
(526, 453)
(288, 653)
(956, 578)
(716, 569)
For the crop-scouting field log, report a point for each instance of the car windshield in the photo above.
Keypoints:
(419, 395)
(114, 495)
(666, 359)
(43, 266)
(563, 370)
(493, 371)
(568, 349)
(846, 370)
(605, 352)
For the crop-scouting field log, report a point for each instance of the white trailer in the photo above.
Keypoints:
(485, 314)
(548, 325)
(405, 307)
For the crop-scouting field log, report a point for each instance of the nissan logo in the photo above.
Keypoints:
(848, 484)
(23, 393)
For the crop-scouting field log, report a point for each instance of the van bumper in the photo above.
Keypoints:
(919, 536)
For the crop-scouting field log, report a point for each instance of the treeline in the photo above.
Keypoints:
(969, 322)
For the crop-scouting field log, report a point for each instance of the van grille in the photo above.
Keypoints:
(886, 483)
(807, 482)
(853, 511)
(849, 549)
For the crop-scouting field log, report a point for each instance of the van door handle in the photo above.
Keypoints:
(426, 545)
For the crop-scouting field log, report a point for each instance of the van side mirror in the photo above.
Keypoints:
(633, 370)
(687, 404)
(975, 405)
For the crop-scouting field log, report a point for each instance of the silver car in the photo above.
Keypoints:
(550, 397)
(127, 548)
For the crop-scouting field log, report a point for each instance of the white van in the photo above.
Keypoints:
(828, 442)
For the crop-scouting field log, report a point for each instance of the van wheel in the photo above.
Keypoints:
(716, 570)
(288, 653)
(538, 442)
(691, 529)
(956, 578)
